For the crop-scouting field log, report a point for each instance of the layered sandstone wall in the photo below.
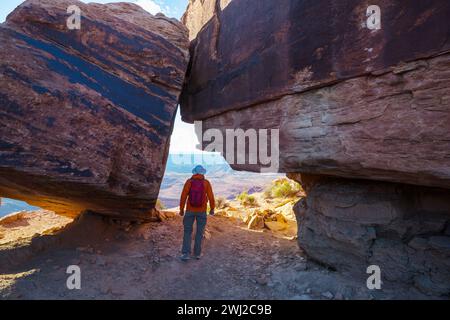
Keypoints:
(365, 111)
(348, 101)
(86, 114)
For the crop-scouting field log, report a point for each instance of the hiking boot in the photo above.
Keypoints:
(185, 257)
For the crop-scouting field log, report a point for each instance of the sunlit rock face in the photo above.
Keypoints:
(199, 12)
(86, 114)
(348, 101)
(353, 224)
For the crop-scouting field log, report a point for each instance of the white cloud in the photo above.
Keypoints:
(149, 5)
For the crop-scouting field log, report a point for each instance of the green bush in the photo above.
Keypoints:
(251, 200)
(242, 196)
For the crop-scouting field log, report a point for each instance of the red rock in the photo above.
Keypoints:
(86, 115)
(199, 12)
(352, 224)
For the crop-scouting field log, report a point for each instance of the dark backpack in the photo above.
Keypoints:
(197, 193)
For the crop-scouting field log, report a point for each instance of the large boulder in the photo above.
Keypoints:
(352, 104)
(349, 101)
(199, 12)
(86, 114)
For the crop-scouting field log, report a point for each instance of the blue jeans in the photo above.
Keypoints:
(188, 223)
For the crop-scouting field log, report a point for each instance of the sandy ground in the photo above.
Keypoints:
(123, 261)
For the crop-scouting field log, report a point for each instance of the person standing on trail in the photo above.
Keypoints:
(198, 191)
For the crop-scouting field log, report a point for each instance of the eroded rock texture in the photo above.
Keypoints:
(86, 115)
(348, 101)
(199, 12)
(403, 229)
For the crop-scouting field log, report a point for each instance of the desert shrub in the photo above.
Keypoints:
(283, 188)
(222, 203)
(245, 199)
(242, 196)
(251, 200)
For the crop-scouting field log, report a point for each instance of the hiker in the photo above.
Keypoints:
(198, 192)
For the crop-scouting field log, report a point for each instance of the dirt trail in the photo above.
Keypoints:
(142, 262)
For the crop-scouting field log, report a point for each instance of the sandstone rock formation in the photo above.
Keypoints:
(199, 12)
(349, 102)
(86, 115)
(403, 229)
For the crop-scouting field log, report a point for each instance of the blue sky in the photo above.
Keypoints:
(183, 137)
